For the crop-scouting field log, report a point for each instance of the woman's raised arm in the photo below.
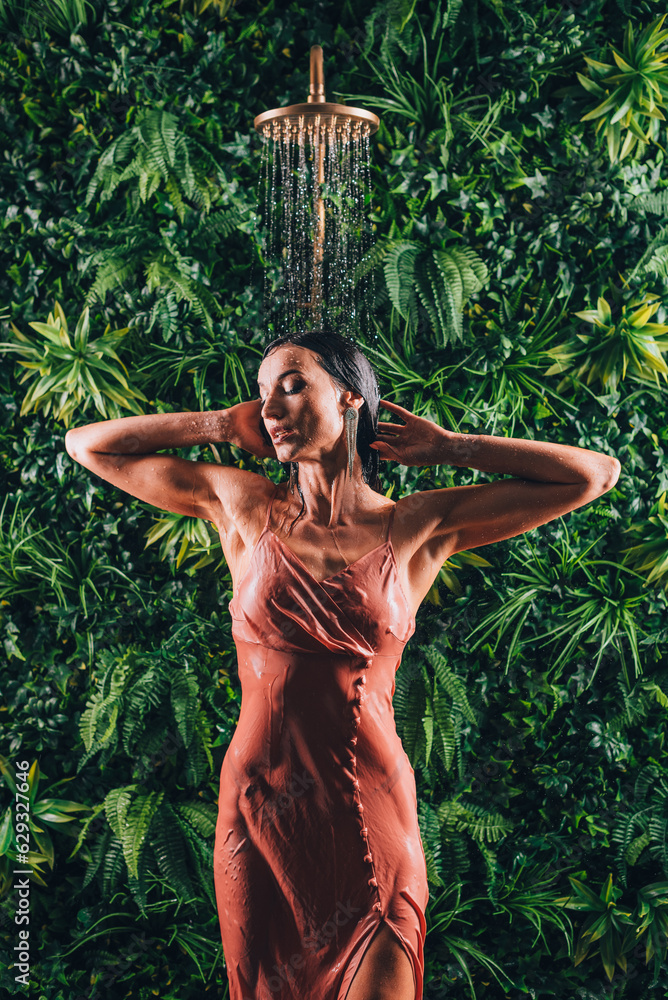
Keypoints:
(123, 452)
(550, 480)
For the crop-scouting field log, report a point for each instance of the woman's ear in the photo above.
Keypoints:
(350, 398)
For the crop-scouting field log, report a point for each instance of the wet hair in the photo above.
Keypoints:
(350, 369)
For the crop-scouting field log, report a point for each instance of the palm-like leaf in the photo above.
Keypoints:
(606, 354)
(194, 537)
(441, 918)
(650, 556)
(425, 102)
(534, 902)
(543, 576)
(73, 371)
(630, 94)
(602, 610)
(609, 924)
(167, 364)
(510, 352)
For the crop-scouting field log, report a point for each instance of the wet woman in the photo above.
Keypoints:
(318, 865)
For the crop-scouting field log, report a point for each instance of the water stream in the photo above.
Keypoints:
(314, 224)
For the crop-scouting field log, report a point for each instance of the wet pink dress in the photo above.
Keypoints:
(317, 841)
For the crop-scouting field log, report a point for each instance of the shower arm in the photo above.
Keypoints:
(317, 88)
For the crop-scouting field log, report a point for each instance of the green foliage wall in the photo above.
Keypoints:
(520, 287)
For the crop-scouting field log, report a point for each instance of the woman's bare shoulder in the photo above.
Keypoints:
(244, 496)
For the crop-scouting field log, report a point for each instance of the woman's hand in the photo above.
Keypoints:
(245, 430)
(415, 442)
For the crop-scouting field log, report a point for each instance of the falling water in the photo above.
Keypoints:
(315, 228)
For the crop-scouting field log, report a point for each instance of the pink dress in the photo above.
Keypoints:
(317, 841)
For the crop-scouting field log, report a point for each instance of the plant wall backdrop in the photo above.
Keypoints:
(518, 285)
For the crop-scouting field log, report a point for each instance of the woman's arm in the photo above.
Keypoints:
(123, 452)
(538, 461)
(147, 434)
(551, 480)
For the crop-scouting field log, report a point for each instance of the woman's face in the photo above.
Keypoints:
(302, 406)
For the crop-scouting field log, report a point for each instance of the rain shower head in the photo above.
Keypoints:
(317, 117)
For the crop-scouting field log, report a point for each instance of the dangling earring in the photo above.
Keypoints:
(293, 476)
(351, 419)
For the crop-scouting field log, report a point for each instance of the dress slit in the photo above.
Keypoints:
(356, 961)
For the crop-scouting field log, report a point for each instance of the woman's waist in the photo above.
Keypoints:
(299, 763)
(256, 659)
(316, 695)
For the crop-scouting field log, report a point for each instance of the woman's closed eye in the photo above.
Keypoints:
(290, 392)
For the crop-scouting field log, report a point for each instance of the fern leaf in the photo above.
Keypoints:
(658, 831)
(431, 841)
(452, 684)
(412, 730)
(455, 853)
(113, 868)
(158, 132)
(399, 267)
(167, 844)
(428, 729)
(201, 816)
(196, 764)
(450, 14)
(184, 700)
(105, 173)
(446, 291)
(98, 853)
(658, 263)
(636, 847)
(446, 737)
(657, 203)
(135, 830)
(482, 824)
(116, 806)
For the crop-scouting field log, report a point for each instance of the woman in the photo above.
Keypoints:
(319, 870)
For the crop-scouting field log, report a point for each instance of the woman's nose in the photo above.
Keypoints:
(270, 407)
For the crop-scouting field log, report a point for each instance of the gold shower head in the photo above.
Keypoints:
(317, 117)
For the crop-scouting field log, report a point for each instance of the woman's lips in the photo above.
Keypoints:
(280, 436)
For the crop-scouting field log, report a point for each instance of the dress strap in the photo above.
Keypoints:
(389, 527)
(271, 503)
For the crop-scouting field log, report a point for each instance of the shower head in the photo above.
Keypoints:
(317, 117)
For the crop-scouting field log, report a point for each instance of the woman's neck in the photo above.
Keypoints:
(330, 496)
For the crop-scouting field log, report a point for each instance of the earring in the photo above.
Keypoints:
(293, 476)
(351, 419)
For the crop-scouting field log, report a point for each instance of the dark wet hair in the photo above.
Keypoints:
(349, 368)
